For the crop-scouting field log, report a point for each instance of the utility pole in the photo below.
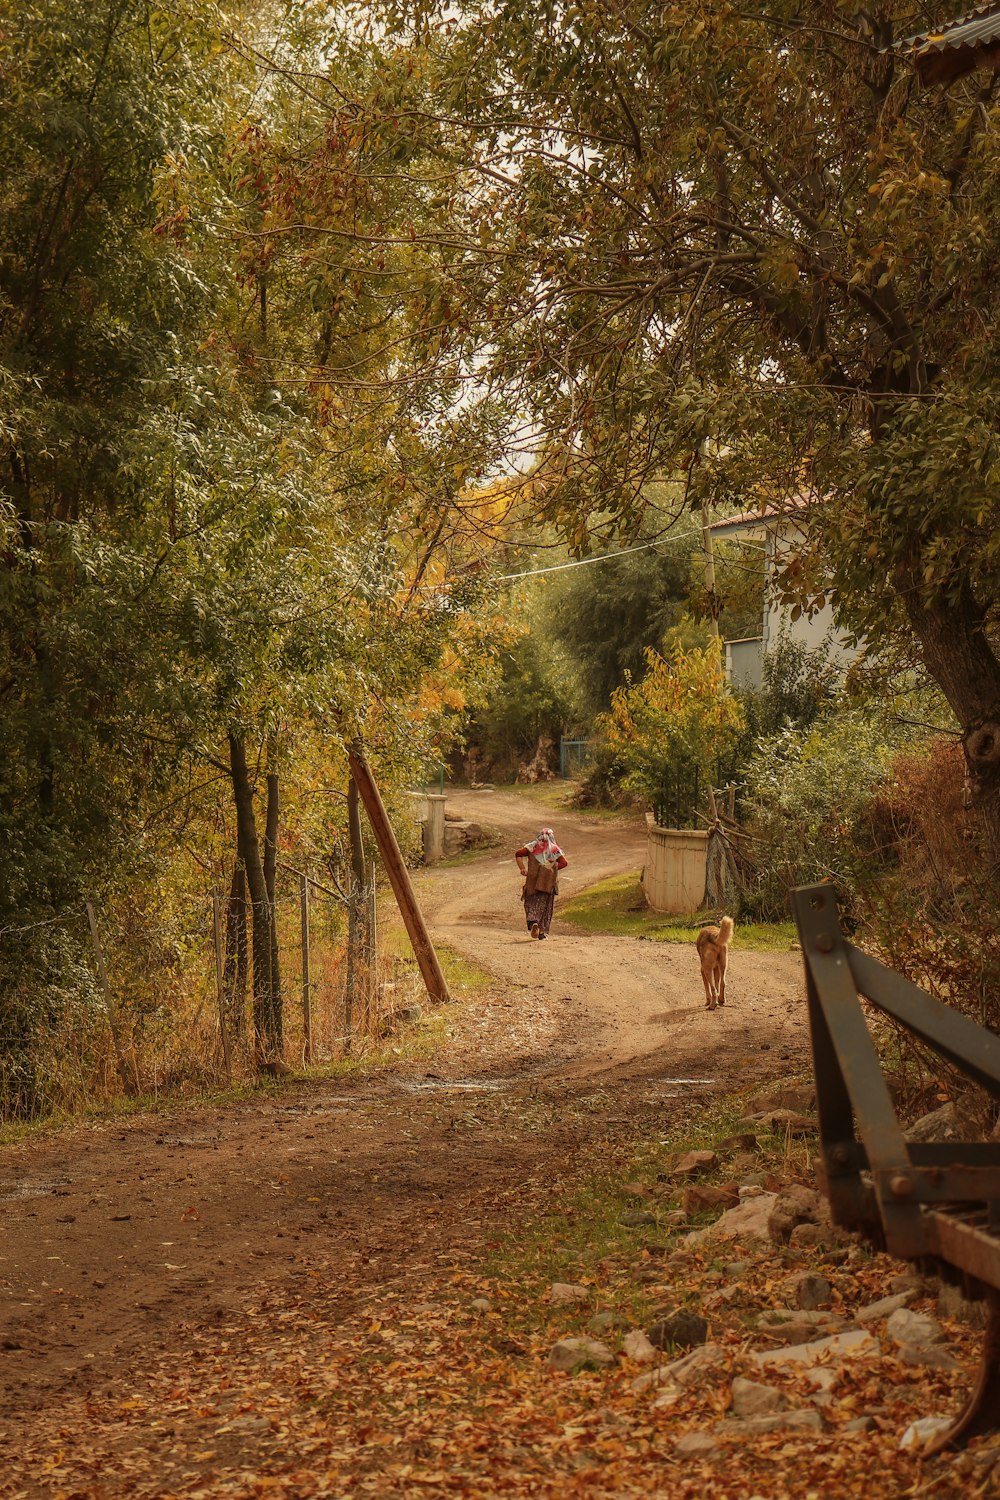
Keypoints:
(714, 602)
(399, 876)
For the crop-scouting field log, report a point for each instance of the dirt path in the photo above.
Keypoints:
(124, 1247)
(612, 1004)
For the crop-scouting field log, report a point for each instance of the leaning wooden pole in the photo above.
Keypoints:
(399, 877)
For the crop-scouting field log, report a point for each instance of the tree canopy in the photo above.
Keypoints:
(750, 250)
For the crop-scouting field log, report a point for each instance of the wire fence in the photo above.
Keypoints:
(684, 789)
(118, 1000)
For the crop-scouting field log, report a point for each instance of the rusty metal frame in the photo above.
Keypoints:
(936, 1204)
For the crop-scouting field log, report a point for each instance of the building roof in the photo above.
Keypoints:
(762, 516)
(955, 47)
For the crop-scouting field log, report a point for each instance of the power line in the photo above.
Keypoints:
(584, 562)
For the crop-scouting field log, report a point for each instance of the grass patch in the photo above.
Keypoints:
(618, 906)
(492, 842)
(463, 975)
(584, 1240)
(163, 1102)
(409, 1044)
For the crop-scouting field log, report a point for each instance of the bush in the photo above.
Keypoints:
(683, 711)
(52, 1023)
(799, 685)
(926, 909)
(808, 797)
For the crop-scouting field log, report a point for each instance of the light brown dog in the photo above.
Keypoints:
(713, 950)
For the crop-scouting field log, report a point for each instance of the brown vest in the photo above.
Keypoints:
(540, 877)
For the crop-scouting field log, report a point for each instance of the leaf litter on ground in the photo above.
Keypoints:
(413, 1391)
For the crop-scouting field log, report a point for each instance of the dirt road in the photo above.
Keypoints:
(612, 1005)
(125, 1247)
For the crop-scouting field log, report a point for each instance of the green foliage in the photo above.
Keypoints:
(682, 711)
(208, 521)
(605, 617)
(798, 686)
(530, 697)
(808, 797)
(739, 574)
(744, 248)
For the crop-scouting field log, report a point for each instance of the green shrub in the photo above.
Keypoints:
(808, 795)
(682, 711)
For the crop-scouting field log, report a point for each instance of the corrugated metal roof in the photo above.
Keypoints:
(979, 25)
(955, 47)
(762, 516)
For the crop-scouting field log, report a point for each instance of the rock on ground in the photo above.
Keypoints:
(883, 1308)
(808, 1291)
(699, 1199)
(748, 1221)
(636, 1346)
(681, 1330)
(795, 1204)
(574, 1353)
(800, 1421)
(913, 1328)
(696, 1164)
(696, 1445)
(838, 1345)
(751, 1399)
(567, 1293)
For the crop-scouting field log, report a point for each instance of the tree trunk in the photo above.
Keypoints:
(355, 834)
(959, 657)
(235, 971)
(276, 1020)
(357, 906)
(248, 848)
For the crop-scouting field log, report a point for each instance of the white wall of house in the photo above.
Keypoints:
(744, 658)
(811, 631)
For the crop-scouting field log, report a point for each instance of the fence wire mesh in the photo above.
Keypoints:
(154, 1022)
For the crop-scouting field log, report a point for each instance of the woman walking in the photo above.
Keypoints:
(539, 862)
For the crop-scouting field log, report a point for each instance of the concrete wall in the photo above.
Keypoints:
(744, 659)
(809, 631)
(674, 877)
(434, 829)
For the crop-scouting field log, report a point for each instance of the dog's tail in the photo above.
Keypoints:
(725, 930)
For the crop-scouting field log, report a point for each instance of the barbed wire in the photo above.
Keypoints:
(65, 918)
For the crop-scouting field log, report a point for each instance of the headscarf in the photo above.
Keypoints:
(545, 849)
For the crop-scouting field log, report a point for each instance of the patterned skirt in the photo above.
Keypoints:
(538, 910)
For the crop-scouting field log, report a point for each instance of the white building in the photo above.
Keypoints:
(779, 529)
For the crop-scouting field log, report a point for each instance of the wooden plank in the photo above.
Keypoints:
(399, 878)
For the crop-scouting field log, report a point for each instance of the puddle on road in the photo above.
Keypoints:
(35, 1189)
(453, 1085)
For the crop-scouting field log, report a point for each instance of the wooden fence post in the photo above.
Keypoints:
(399, 877)
(306, 985)
(219, 981)
(350, 982)
(128, 1083)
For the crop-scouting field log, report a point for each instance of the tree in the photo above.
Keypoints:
(748, 248)
(680, 713)
(208, 551)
